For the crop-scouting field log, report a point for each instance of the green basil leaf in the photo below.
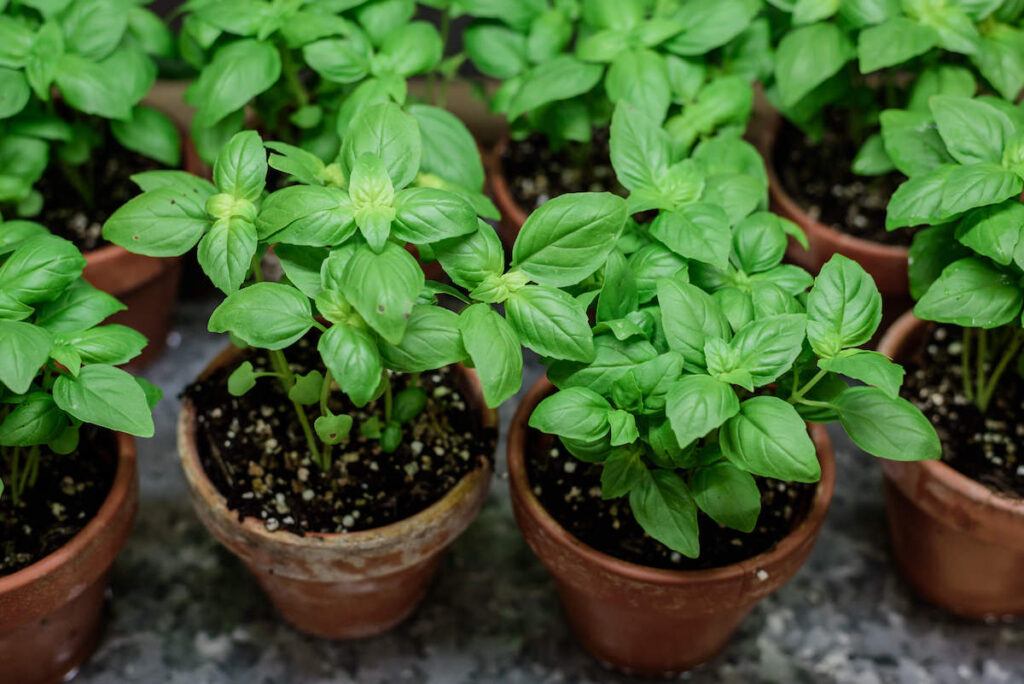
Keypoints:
(24, 349)
(41, 269)
(662, 504)
(869, 367)
(352, 357)
(698, 404)
(651, 263)
(759, 242)
(449, 149)
(561, 78)
(14, 92)
(690, 317)
(226, 253)
(550, 322)
(844, 307)
(711, 24)
(932, 250)
(613, 358)
(383, 288)
(238, 72)
(241, 167)
(413, 48)
(912, 141)
(105, 396)
(766, 348)
(806, 57)
(872, 159)
(728, 495)
(432, 340)
(622, 471)
(161, 223)
(970, 293)
(495, 50)
(307, 215)
(697, 231)
(886, 426)
(973, 131)
(640, 150)
(264, 315)
(640, 78)
(994, 231)
(110, 344)
(387, 132)
(494, 348)
(339, 60)
(36, 420)
(91, 88)
(893, 42)
(768, 438)
(79, 307)
(150, 132)
(948, 191)
(426, 215)
(302, 265)
(469, 259)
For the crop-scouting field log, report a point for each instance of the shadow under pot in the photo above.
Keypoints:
(341, 585)
(959, 543)
(649, 621)
(886, 263)
(51, 613)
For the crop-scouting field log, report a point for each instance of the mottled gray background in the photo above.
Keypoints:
(186, 612)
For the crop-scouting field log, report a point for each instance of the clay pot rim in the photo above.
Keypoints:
(507, 204)
(120, 490)
(735, 571)
(844, 241)
(216, 501)
(945, 474)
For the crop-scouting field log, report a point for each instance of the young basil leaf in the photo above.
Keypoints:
(238, 72)
(843, 308)
(569, 237)
(806, 57)
(352, 357)
(698, 404)
(869, 367)
(893, 42)
(383, 288)
(265, 315)
(663, 506)
(432, 340)
(426, 215)
(105, 396)
(385, 131)
(498, 52)
(640, 148)
(759, 242)
(24, 348)
(973, 131)
(551, 322)
(79, 307)
(948, 191)
(651, 263)
(561, 78)
(613, 358)
(409, 403)
(970, 293)
(994, 231)
(640, 78)
(622, 428)
(766, 348)
(241, 167)
(163, 222)
(307, 215)
(690, 317)
(226, 253)
(912, 142)
(887, 427)
(36, 420)
(150, 132)
(302, 266)
(241, 380)
(333, 429)
(494, 348)
(728, 495)
(40, 269)
(768, 438)
(575, 413)
(696, 231)
(619, 293)
(621, 472)
(469, 259)
(306, 390)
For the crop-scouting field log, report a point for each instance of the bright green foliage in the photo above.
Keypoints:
(564, 65)
(710, 354)
(967, 267)
(71, 78)
(343, 234)
(57, 362)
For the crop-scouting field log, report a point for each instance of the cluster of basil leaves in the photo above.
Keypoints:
(855, 52)
(965, 161)
(710, 354)
(341, 232)
(57, 363)
(97, 54)
(564, 64)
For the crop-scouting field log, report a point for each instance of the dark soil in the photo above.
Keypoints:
(536, 173)
(818, 177)
(68, 215)
(984, 447)
(253, 449)
(570, 491)
(69, 491)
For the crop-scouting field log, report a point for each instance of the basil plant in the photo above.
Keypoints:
(859, 51)
(343, 232)
(72, 74)
(710, 355)
(57, 362)
(564, 64)
(305, 67)
(965, 161)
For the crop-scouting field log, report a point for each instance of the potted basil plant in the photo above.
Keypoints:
(673, 481)
(958, 524)
(68, 479)
(73, 131)
(562, 67)
(344, 443)
(836, 70)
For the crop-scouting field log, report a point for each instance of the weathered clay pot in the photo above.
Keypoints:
(887, 264)
(648, 621)
(350, 585)
(51, 612)
(148, 286)
(513, 216)
(959, 544)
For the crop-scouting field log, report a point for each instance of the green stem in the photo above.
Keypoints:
(965, 365)
(799, 394)
(388, 400)
(291, 77)
(446, 29)
(818, 404)
(982, 359)
(985, 394)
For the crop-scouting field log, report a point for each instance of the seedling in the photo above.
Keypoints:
(710, 355)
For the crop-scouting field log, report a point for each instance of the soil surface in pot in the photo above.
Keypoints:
(67, 214)
(570, 490)
(817, 175)
(535, 172)
(68, 493)
(985, 447)
(253, 450)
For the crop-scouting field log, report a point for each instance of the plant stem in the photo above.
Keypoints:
(388, 400)
(965, 365)
(799, 394)
(985, 393)
(982, 359)
(77, 182)
(291, 77)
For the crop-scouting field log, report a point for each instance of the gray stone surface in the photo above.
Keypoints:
(186, 612)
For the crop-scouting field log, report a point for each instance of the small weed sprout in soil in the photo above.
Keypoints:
(71, 78)
(341, 233)
(711, 354)
(967, 267)
(57, 365)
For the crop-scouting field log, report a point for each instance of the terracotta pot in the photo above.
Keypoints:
(887, 264)
(648, 621)
(513, 216)
(148, 286)
(959, 544)
(341, 586)
(51, 612)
